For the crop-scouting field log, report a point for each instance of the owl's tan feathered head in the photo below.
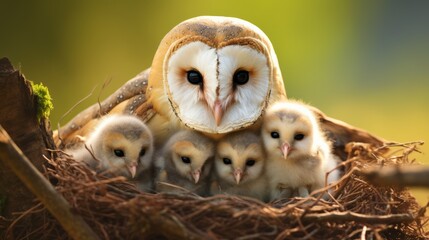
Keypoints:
(216, 74)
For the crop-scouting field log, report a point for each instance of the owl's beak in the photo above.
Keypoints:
(133, 169)
(238, 175)
(285, 148)
(196, 175)
(218, 112)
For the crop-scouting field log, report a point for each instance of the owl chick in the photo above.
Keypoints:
(119, 144)
(186, 161)
(240, 165)
(299, 154)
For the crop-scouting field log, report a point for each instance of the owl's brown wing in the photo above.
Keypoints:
(129, 99)
(341, 133)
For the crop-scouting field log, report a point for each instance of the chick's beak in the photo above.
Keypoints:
(218, 112)
(133, 169)
(196, 175)
(238, 175)
(285, 148)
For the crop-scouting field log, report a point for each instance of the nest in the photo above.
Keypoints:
(115, 209)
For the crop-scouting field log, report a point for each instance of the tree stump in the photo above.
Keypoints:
(18, 116)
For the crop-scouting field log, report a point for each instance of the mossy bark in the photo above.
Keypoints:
(18, 116)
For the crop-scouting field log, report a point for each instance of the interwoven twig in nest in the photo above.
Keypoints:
(116, 210)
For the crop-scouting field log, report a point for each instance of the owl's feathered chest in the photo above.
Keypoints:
(256, 188)
(304, 171)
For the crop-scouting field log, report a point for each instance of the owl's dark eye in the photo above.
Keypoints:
(142, 152)
(299, 136)
(119, 152)
(194, 77)
(275, 135)
(241, 77)
(250, 162)
(186, 160)
(227, 161)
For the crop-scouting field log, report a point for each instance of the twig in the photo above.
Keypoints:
(71, 109)
(342, 217)
(413, 176)
(363, 235)
(12, 156)
(105, 83)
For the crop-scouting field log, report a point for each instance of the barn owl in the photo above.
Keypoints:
(211, 74)
(299, 154)
(186, 161)
(240, 166)
(120, 144)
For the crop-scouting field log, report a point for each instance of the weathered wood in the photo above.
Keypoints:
(400, 176)
(12, 156)
(342, 217)
(18, 116)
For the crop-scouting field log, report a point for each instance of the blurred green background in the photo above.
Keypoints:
(364, 62)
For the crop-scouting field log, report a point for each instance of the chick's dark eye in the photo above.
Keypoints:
(142, 152)
(275, 135)
(250, 162)
(241, 77)
(194, 77)
(227, 161)
(299, 136)
(186, 160)
(119, 152)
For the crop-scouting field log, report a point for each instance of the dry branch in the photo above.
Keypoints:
(411, 176)
(12, 156)
(341, 217)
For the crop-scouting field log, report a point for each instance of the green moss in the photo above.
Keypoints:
(44, 100)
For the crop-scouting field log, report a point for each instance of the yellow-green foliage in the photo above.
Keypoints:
(44, 100)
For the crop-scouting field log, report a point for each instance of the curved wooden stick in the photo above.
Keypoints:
(342, 217)
(403, 176)
(13, 157)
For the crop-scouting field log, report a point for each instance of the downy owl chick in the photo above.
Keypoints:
(299, 154)
(240, 166)
(186, 161)
(121, 145)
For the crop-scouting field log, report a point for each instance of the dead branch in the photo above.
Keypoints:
(341, 217)
(12, 156)
(411, 176)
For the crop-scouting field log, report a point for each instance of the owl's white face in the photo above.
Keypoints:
(217, 89)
